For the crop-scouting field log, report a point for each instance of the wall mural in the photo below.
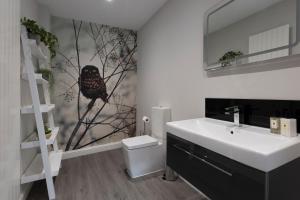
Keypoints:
(95, 82)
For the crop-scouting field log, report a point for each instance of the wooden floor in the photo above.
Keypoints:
(101, 177)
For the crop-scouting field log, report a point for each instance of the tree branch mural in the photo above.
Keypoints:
(103, 72)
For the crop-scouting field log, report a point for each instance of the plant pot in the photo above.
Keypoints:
(48, 135)
(35, 37)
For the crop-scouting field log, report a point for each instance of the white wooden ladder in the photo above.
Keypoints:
(47, 163)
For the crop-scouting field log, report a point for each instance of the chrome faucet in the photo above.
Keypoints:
(235, 110)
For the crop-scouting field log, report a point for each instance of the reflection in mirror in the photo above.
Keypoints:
(242, 31)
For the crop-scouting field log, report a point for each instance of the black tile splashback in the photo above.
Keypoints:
(253, 112)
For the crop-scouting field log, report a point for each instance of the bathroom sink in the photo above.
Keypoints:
(250, 145)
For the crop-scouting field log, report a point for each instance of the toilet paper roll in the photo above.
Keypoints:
(146, 119)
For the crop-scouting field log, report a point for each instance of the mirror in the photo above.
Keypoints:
(239, 32)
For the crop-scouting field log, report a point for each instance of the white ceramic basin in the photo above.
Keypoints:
(252, 146)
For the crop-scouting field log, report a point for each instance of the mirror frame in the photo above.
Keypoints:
(223, 4)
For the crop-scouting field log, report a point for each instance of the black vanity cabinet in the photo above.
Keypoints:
(221, 178)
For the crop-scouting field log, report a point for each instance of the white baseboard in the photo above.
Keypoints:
(91, 150)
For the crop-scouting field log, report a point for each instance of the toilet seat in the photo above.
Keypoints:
(139, 142)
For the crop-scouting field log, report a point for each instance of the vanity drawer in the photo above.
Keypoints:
(219, 177)
(178, 160)
(214, 158)
(229, 164)
(179, 143)
(213, 180)
(178, 155)
(247, 189)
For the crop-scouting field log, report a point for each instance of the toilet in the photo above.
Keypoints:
(146, 155)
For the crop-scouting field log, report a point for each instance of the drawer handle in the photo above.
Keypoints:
(181, 149)
(212, 165)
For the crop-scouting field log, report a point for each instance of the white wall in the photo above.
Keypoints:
(29, 9)
(10, 100)
(170, 69)
(33, 10)
(44, 17)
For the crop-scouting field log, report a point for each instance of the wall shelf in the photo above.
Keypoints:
(35, 171)
(38, 77)
(33, 142)
(261, 66)
(44, 108)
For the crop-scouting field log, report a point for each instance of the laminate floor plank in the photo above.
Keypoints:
(101, 176)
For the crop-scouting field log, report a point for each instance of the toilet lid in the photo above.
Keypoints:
(139, 142)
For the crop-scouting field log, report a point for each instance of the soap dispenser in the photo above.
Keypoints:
(275, 125)
(288, 127)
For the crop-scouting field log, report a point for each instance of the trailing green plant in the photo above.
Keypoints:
(229, 56)
(47, 75)
(49, 39)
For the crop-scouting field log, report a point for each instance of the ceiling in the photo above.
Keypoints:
(236, 11)
(130, 14)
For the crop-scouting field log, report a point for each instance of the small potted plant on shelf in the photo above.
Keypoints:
(47, 75)
(40, 34)
(228, 57)
(48, 132)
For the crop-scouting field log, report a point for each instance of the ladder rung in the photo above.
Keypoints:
(38, 77)
(44, 108)
(33, 142)
(35, 171)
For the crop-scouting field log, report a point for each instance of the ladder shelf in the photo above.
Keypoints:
(46, 164)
